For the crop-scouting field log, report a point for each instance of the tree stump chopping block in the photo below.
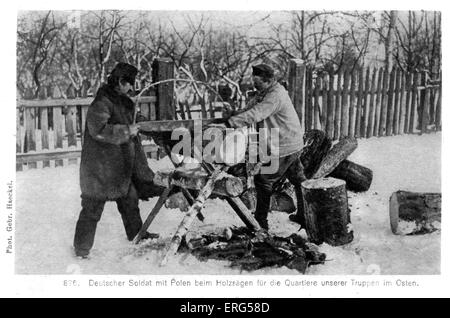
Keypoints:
(414, 213)
(358, 178)
(326, 211)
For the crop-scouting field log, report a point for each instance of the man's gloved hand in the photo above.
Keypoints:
(134, 129)
(227, 111)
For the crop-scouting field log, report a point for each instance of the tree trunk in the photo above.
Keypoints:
(326, 211)
(414, 213)
(389, 39)
(357, 177)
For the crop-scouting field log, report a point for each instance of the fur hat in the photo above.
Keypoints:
(125, 71)
(263, 70)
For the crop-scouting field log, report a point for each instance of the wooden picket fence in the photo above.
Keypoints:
(371, 102)
(50, 132)
(361, 104)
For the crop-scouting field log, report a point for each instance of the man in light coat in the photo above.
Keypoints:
(272, 108)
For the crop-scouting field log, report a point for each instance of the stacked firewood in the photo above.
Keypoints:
(251, 251)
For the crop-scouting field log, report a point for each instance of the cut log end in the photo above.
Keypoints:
(393, 212)
(323, 183)
(414, 213)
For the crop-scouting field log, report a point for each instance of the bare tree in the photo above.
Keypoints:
(35, 49)
(389, 39)
(49, 52)
(419, 41)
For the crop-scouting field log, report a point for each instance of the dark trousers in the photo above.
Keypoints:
(290, 167)
(91, 213)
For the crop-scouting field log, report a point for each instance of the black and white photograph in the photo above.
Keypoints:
(227, 143)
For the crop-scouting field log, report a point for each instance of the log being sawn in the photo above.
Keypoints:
(197, 179)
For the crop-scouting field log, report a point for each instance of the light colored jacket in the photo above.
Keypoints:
(274, 109)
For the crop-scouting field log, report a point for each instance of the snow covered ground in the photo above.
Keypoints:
(48, 204)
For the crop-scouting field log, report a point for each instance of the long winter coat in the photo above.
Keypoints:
(111, 158)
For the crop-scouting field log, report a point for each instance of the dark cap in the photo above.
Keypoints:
(263, 70)
(125, 71)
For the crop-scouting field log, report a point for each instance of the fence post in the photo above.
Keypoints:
(345, 106)
(397, 106)
(438, 108)
(352, 110)
(323, 123)
(18, 131)
(306, 90)
(402, 105)
(71, 124)
(376, 125)
(371, 114)
(359, 103)
(425, 108)
(407, 102)
(414, 94)
(18, 138)
(57, 131)
(384, 97)
(365, 107)
(30, 132)
(330, 107)
(337, 107)
(163, 69)
(44, 127)
(318, 88)
(296, 87)
(422, 100)
(390, 104)
(309, 106)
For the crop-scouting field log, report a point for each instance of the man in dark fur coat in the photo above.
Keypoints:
(113, 164)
